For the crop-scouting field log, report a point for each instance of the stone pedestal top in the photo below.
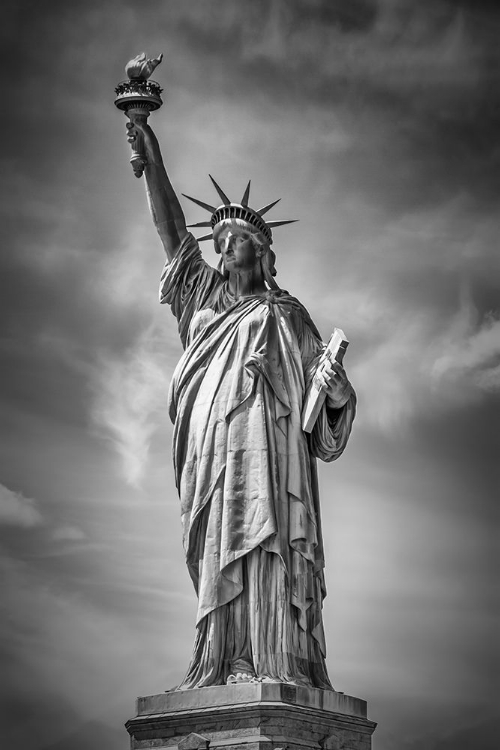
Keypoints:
(251, 716)
(251, 693)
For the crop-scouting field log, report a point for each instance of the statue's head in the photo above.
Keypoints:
(241, 228)
(253, 247)
(245, 219)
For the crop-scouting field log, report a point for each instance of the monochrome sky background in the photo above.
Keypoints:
(376, 122)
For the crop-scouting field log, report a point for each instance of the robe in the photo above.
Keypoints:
(246, 476)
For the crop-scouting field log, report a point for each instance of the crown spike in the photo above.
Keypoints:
(246, 195)
(200, 224)
(267, 208)
(280, 223)
(222, 195)
(205, 237)
(200, 203)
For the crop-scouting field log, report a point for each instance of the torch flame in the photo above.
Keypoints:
(140, 68)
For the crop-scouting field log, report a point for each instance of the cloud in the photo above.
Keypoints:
(416, 295)
(469, 353)
(18, 510)
(418, 364)
(68, 533)
(339, 50)
(130, 395)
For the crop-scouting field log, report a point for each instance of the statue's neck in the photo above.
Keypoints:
(247, 283)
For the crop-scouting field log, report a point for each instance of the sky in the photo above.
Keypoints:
(376, 122)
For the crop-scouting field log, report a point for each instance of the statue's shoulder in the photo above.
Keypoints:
(294, 308)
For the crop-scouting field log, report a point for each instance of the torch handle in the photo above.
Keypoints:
(138, 159)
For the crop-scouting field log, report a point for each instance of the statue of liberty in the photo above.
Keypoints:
(245, 469)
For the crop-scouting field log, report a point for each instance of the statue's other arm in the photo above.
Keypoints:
(331, 431)
(166, 210)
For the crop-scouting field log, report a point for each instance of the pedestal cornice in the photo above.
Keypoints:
(259, 716)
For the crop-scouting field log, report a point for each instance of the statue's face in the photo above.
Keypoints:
(237, 249)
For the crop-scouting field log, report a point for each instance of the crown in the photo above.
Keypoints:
(229, 210)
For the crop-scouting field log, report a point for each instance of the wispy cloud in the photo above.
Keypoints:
(414, 299)
(130, 398)
(416, 366)
(469, 358)
(68, 534)
(18, 510)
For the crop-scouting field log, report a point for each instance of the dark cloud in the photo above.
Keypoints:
(419, 87)
(416, 84)
(358, 16)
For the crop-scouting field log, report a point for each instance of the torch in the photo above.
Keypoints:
(137, 97)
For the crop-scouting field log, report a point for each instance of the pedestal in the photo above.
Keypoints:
(260, 716)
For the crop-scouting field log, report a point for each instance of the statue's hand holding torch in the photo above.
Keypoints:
(137, 97)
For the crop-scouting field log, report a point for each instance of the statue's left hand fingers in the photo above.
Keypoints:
(324, 380)
(336, 372)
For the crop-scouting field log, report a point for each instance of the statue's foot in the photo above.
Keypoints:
(240, 677)
(241, 671)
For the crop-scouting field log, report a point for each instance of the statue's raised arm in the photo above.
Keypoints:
(166, 210)
(137, 97)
